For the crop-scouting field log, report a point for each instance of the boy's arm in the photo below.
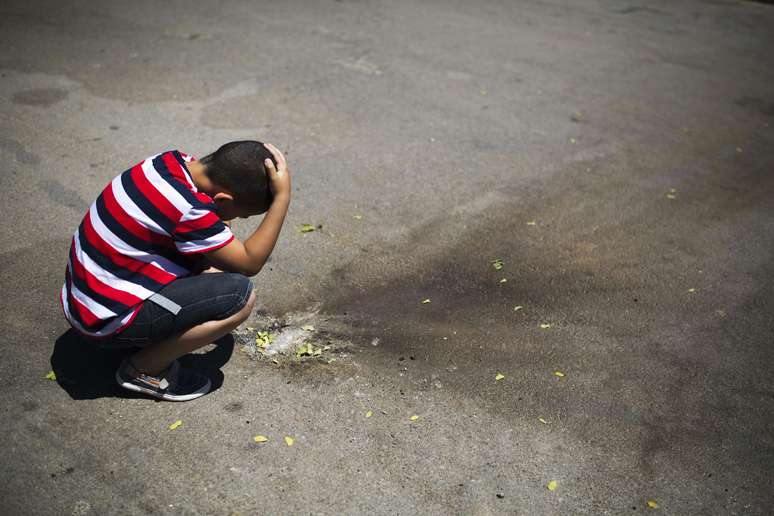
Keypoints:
(248, 258)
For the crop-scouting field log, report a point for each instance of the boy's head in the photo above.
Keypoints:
(238, 172)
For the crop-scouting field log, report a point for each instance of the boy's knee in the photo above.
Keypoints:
(241, 291)
(249, 301)
(246, 310)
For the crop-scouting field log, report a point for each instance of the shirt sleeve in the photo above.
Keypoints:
(201, 230)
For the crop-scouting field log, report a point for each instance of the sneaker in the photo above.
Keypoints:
(174, 383)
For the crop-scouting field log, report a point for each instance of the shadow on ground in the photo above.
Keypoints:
(86, 372)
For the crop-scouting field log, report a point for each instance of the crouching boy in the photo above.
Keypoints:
(135, 278)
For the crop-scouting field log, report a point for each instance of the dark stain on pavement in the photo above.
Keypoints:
(19, 152)
(63, 195)
(762, 106)
(235, 406)
(607, 244)
(42, 97)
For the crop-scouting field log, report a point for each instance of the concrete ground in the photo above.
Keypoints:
(617, 156)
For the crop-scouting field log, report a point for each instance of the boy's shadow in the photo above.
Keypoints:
(87, 372)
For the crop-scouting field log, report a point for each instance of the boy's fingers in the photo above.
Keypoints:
(269, 167)
(277, 155)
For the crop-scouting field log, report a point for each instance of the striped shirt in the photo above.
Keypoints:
(143, 232)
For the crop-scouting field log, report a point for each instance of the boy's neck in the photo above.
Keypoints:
(200, 178)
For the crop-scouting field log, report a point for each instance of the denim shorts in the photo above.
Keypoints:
(201, 298)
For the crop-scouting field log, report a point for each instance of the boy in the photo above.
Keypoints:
(134, 276)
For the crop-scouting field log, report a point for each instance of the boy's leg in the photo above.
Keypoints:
(210, 306)
(156, 357)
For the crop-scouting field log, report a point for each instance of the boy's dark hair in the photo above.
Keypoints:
(238, 167)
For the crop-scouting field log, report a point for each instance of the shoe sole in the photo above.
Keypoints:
(165, 396)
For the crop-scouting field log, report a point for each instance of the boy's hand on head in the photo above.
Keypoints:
(279, 177)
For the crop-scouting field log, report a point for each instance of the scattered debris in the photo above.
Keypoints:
(504, 280)
(578, 117)
(517, 308)
(306, 228)
(375, 341)
(425, 301)
(739, 150)
(175, 425)
(289, 440)
(542, 420)
(357, 217)
(290, 338)
(51, 375)
(264, 339)
(499, 376)
(308, 350)
(691, 290)
(544, 326)
(552, 485)
(672, 194)
(260, 438)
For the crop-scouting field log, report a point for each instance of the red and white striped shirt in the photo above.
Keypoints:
(143, 232)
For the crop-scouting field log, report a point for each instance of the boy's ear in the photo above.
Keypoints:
(223, 197)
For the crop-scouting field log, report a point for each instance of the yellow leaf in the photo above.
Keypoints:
(517, 308)
(175, 425)
(307, 327)
(369, 414)
(289, 440)
(691, 290)
(552, 485)
(51, 375)
(652, 504)
(499, 376)
(497, 264)
(542, 420)
(306, 228)
(545, 326)
(414, 417)
(260, 438)
(559, 374)
(531, 223)
(503, 280)
(357, 217)
(671, 196)
(425, 301)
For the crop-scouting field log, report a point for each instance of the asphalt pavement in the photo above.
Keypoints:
(545, 229)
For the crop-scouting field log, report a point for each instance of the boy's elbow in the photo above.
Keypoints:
(251, 270)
